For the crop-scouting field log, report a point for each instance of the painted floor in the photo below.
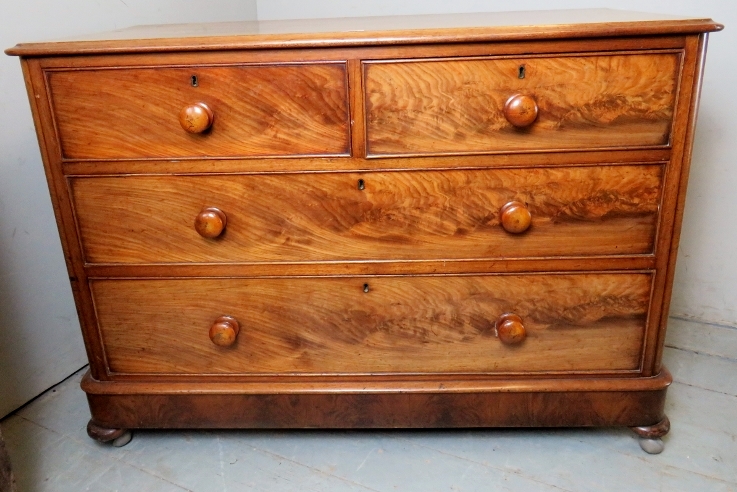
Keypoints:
(50, 450)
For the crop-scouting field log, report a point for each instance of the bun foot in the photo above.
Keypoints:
(119, 437)
(650, 436)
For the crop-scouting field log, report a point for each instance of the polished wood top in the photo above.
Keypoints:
(390, 30)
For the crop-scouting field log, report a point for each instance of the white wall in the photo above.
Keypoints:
(706, 276)
(40, 340)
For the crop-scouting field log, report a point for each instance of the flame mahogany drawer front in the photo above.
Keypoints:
(568, 211)
(427, 324)
(451, 221)
(463, 106)
(259, 110)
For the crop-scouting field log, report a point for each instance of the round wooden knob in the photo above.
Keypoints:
(210, 223)
(520, 110)
(509, 329)
(196, 118)
(515, 217)
(224, 331)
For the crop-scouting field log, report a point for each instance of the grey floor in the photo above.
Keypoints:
(50, 450)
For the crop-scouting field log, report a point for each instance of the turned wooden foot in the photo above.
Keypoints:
(119, 437)
(650, 436)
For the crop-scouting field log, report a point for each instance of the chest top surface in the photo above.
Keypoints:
(361, 31)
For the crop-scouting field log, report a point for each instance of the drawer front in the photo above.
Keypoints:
(573, 323)
(457, 106)
(134, 113)
(421, 215)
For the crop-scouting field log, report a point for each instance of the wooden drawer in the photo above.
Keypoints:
(430, 324)
(133, 113)
(604, 210)
(456, 106)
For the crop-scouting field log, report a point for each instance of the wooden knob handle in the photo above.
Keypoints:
(520, 110)
(509, 329)
(224, 331)
(210, 223)
(196, 118)
(515, 217)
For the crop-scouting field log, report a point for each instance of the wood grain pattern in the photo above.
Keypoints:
(373, 31)
(342, 164)
(359, 53)
(122, 384)
(437, 324)
(61, 202)
(408, 215)
(380, 403)
(676, 197)
(585, 102)
(387, 267)
(602, 182)
(393, 410)
(258, 111)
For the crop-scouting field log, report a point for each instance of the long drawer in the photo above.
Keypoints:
(592, 322)
(423, 215)
(458, 106)
(256, 110)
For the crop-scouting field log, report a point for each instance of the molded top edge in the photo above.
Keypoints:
(372, 31)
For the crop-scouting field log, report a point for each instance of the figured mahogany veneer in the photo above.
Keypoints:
(436, 324)
(462, 106)
(256, 111)
(596, 210)
(433, 403)
(446, 221)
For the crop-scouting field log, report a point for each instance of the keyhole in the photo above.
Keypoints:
(365, 287)
(521, 73)
(193, 80)
(361, 184)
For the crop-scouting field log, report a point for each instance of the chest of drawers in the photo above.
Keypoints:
(456, 221)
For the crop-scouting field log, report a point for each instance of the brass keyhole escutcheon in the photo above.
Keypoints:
(361, 184)
(365, 287)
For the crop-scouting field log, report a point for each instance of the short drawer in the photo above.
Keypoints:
(134, 113)
(417, 215)
(459, 106)
(368, 325)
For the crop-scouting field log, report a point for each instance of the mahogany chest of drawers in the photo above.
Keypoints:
(456, 221)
